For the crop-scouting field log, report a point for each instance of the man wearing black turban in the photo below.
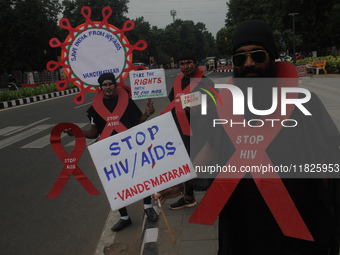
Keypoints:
(258, 211)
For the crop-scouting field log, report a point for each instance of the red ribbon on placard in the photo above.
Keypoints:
(176, 103)
(69, 160)
(112, 118)
(271, 187)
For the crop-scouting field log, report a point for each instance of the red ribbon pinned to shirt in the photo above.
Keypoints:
(112, 118)
(69, 160)
(176, 103)
(271, 187)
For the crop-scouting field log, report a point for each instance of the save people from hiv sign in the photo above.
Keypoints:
(141, 161)
(148, 84)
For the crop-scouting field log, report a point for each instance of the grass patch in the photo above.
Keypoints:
(30, 92)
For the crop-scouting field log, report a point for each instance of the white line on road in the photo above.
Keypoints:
(45, 140)
(5, 130)
(82, 105)
(25, 127)
(16, 138)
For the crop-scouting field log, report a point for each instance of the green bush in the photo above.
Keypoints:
(30, 91)
(332, 65)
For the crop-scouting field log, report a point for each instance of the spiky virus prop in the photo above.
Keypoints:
(93, 48)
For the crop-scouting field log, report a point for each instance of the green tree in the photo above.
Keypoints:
(181, 35)
(6, 19)
(34, 23)
(317, 23)
(141, 31)
(223, 40)
(72, 11)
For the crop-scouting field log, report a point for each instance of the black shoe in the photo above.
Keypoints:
(121, 224)
(151, 214)
(182, 203)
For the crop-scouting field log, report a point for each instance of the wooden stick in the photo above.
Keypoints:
(166, 222)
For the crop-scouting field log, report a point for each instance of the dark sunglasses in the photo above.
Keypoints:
(259, 56)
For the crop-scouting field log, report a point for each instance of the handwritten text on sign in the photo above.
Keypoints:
(192, 99)
(95, 52)
(141, 161)
(148, 84)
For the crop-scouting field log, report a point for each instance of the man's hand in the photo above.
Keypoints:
(172, 192)
(149, 109)
(69, 132)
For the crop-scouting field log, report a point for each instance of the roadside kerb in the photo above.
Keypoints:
(33, 99)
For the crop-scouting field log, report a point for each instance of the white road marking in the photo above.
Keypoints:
(45, 140)
(23, 135)
(6, 130)
(25, 127)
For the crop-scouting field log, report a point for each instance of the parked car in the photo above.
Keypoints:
(222, 62)
(141, 64)
(286, 58)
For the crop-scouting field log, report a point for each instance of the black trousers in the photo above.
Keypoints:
(123, 212)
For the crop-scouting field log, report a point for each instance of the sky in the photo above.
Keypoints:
(157, 12)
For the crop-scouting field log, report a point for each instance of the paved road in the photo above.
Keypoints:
(30, 223)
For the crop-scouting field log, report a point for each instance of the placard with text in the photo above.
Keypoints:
(148, 84)
(141, 161)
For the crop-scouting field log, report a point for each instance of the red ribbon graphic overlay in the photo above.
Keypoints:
(112, 118)
(69, 160)
(176, 103)
(270, 186)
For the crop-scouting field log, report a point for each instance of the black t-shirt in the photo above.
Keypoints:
(129, 119)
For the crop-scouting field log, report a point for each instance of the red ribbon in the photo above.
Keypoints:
(86, 12)
(54, 42)
(271, 187)
(53, 65)
(64, 23)
(106, 16)
(112, 118)
(140, 45)
(79, 98)
(176, 103)
(128, 25)
(69, 160)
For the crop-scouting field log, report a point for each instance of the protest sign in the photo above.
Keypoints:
(141, 161)
(192, 99)
(148, 84)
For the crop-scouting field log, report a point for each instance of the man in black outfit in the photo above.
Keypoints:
(189, 76)
(131, 117)
(252, 218)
